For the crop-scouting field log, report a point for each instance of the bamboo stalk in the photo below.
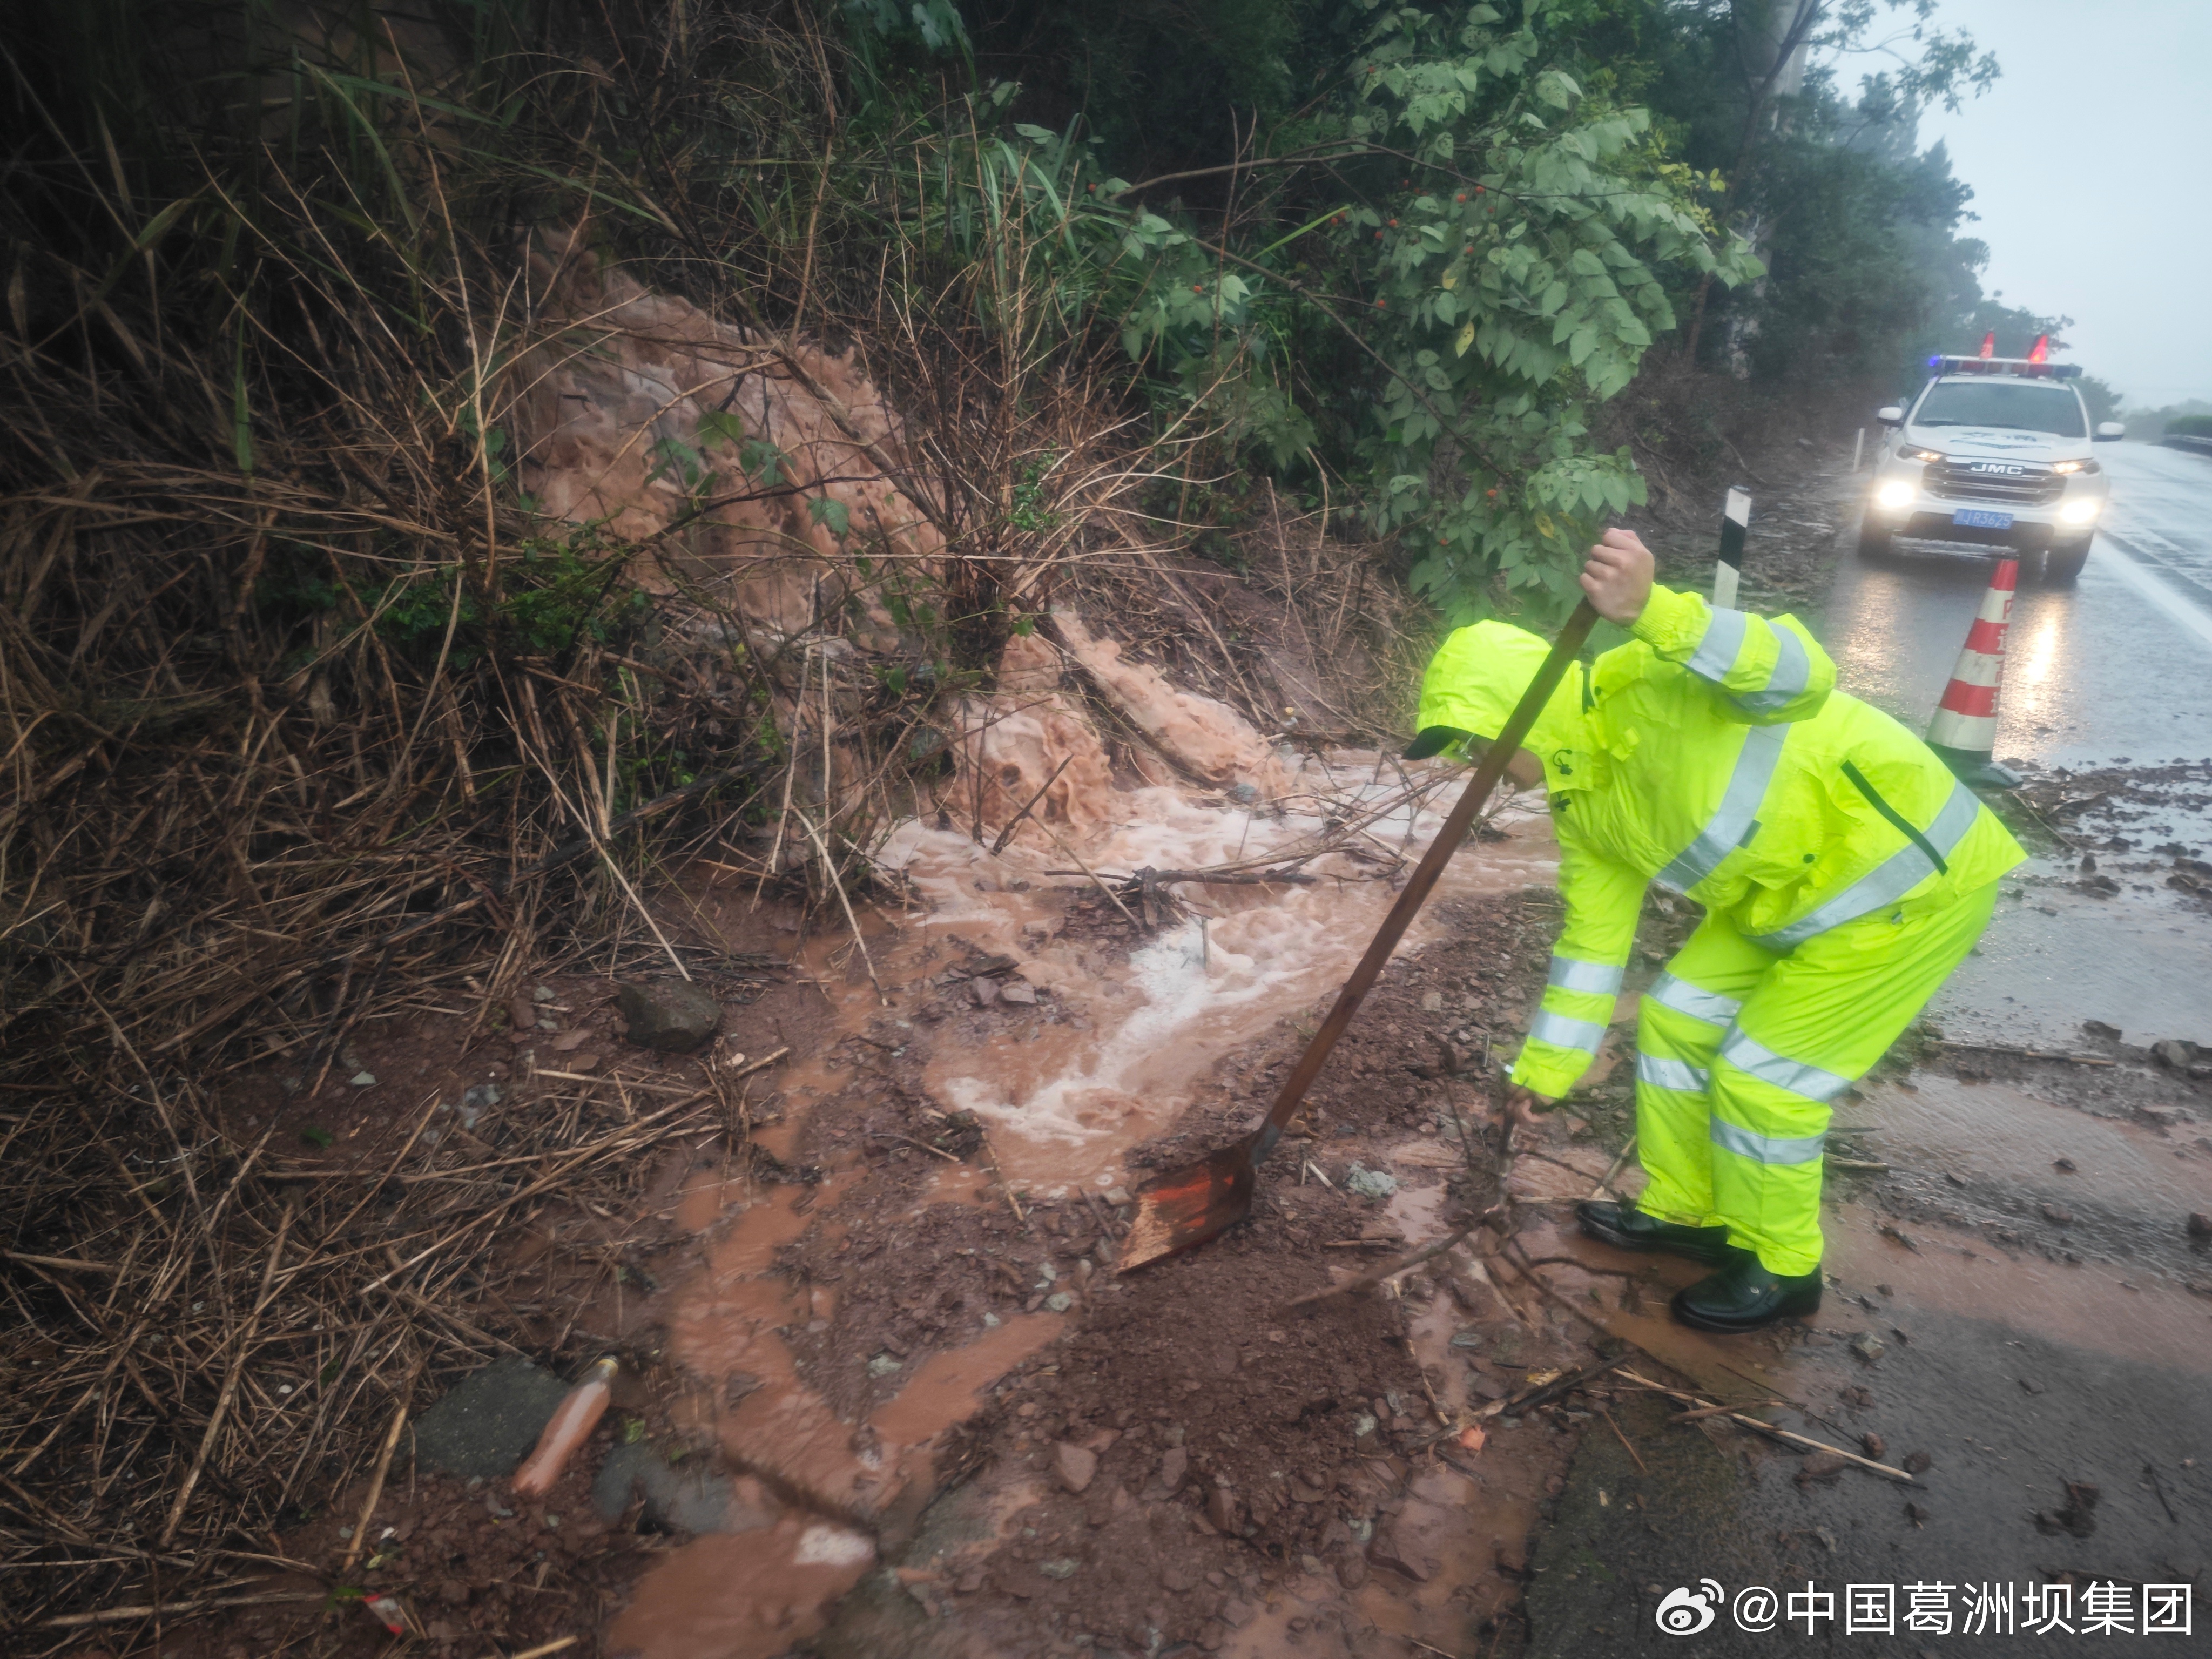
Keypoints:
(1027, 806)
(245, 1343)
(178, 1609)
(1605, 1181)
(1708, 1409)
(376, 1480)
(1112, 897)
(829, 865)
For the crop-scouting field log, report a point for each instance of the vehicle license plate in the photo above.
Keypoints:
(1981, 518)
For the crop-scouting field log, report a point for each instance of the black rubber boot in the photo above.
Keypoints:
(1627, 1228)
(1744, 1295)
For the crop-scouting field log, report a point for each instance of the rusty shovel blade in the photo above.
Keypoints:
(1186, 1206)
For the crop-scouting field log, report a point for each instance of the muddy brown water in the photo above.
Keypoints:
(926, 1512)
(1127, 1044)
(1113, 1052)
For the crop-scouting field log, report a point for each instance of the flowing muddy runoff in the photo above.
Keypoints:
(896, 1325)
(1066, 1099)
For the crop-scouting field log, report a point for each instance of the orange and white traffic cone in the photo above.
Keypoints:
(1964, 731)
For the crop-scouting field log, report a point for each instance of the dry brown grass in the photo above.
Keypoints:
(307, 714)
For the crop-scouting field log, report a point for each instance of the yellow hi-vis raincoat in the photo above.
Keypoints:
(1843, 870)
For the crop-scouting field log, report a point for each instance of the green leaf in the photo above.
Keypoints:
(826, 510)
(762, 462)
(720, 423)
(317, 1136)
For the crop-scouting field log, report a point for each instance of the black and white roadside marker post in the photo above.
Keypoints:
(1736, 519)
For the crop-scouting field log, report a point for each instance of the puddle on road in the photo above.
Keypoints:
(2003, 1141)
(1134, 1034)
(2054, 958)
(1994, 1133)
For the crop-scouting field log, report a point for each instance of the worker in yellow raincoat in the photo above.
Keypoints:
(1844, 872)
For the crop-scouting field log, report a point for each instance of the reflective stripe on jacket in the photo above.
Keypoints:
(1713, 755)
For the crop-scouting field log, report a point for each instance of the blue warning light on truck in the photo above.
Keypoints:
(1993, 456)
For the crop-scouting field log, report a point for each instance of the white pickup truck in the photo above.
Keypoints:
(1993, 454)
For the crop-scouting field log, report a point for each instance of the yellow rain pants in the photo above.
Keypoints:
(1739, 1052)
(1844, 873)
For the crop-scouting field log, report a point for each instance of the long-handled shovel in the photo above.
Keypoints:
(1189, 1206)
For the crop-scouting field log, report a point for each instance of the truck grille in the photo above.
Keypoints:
(2032, 486)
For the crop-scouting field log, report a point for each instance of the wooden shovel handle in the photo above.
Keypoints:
(1471, 802)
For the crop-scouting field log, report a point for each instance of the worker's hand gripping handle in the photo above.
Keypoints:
(1448, 839)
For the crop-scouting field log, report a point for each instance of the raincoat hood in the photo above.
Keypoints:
(1478, 674)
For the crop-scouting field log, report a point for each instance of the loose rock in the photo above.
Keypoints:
(1867, 1347)
(1074, 1466)
(1371, 1183)
(669, 1016)
(1174, 1464)
(1821, 1466)
(1221, 1509)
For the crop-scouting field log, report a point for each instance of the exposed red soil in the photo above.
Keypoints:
(1304, 1437)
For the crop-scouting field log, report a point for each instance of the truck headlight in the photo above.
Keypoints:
(1895, 494)
(2081, 510)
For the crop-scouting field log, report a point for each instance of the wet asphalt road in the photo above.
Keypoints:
(2017, 1368)
(2118, 664)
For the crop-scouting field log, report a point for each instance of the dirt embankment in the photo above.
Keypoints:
(1176, 1456)
(1694, 436)
(864, 1303)
(984, 1021)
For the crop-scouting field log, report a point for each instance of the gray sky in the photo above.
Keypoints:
(2088, 161)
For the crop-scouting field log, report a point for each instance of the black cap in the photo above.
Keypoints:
(1434, 740)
